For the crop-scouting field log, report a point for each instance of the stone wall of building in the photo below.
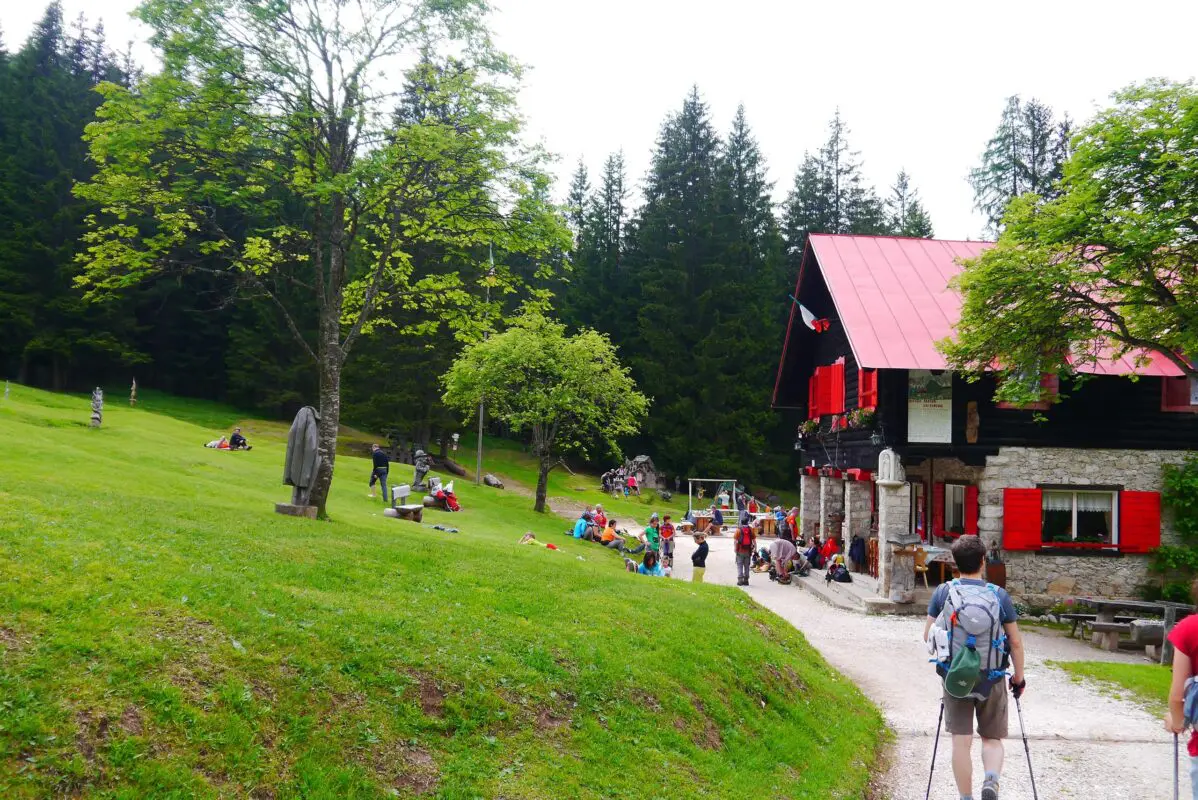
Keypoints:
(1043, 579)
(808, 505)
(857, 512)
(831, 507)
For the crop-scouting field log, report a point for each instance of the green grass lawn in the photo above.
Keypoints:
(1147, 683)
(164, 634)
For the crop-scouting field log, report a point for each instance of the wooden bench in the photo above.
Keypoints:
(1107, 633)
(1078, 619)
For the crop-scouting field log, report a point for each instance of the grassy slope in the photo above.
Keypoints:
(164, 633)
(1147, 683)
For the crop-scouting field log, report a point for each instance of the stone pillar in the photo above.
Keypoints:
(809, 505)
(856, 513)
(831, 503)
(896, 574)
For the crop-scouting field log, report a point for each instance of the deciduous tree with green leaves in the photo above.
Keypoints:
(1108, 267)
(570, 394)
(268, 150)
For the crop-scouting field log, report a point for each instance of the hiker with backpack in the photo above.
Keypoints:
(1183, 692)
(746, 543)
(973, 636)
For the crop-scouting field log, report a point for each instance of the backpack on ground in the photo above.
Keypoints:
(968, 642)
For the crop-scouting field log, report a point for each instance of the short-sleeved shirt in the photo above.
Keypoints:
(782, 550)
(1184, 638)
(653, 538)
(667, 530)
(609, 533)
(1006, 605)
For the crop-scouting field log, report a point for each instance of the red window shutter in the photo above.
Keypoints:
(971, 509)
(938, 509)
(1175, 394)
(813, 396)
(867, 388)
(1139, 521)
(836, 388)
(1022, 511)
(1050, 386)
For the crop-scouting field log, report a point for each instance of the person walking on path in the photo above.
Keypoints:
(699, 558)
(988, 700)
(1184, 638)
(382, 465)
(746, 543)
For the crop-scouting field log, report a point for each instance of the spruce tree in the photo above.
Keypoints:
(669, 279)
(577, 198)
(1024, 155)
(49, 336)
(907, 215)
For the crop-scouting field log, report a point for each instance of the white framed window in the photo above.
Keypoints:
(954, 507)
(1080, 517)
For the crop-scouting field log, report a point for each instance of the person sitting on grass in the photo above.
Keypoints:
(582, 525)
(219, 444)
(611, 537)
(600, 519)
(651, 566)
(238, 442)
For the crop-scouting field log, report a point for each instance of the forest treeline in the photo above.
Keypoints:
(691, 281)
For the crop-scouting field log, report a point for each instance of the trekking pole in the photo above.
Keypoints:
(1176, 787)
(935, 745)
(1026, 750)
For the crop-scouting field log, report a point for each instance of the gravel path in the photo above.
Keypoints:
(1084, 744)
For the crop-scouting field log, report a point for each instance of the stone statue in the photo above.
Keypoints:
(97, 407)
(133, 393)
(424, 463)
(302, 462)
(890, 469)
(972, 422)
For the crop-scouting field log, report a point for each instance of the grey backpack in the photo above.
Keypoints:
(972, 616)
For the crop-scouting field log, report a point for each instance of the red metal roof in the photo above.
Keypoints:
(892, 296)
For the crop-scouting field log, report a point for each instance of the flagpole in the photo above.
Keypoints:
(478, 467)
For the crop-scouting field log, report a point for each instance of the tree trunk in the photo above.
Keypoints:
(542, 484)
(330, 364)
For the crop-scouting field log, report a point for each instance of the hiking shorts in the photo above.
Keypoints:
(991, 714)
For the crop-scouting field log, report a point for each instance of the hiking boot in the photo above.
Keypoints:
(989, 789)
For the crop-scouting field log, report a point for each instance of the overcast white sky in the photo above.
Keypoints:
(920, 83)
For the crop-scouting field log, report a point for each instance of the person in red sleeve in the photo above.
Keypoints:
(600, 518)
(1184, 638)
(829, 549)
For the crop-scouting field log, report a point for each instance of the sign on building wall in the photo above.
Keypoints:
(929, 407)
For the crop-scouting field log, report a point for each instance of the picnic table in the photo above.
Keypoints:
(767, 522)
(942, 557)
(1106, 629)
